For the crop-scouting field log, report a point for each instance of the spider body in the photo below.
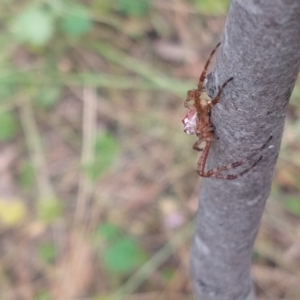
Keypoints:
(190, 122)
(197, 121)
(198, 118)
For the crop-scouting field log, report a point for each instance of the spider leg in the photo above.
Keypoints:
(188, 105)
(205, 129)
(215, 173)
(191, 95)
(196, 146)
(203, 159)
(203, 75)
(238, 163)
(217, 98)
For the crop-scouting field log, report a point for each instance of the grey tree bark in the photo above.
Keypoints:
(261, 50)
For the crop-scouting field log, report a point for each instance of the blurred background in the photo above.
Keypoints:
(98, 188)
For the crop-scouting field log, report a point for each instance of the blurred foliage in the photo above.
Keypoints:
(106, 150)
(8, 125)
(36, 24)
(217, 7)
(48, 97)
(121, 252)
(26, 176)
(77, 22)
(33, 25)
(109, 232)
(123, 256)
(47, 252)
(43, 295)
(51, 52)
(292, 204)
(12, 211)
(49, 210)
(134, 8)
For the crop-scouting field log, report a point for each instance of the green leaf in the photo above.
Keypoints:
(122, 253)
(47, 252)
(105, 297)
(216, 7)
(135, 8)
(108, 231)
(43, 295)
(292, 204)
(102, 7)
(8, 126)
(49, 210)
(123, 256)
(48, 97)
(26, 176)
(33, 25)
(77, 22)
(106, 149)
(168, 273)
(6, 91)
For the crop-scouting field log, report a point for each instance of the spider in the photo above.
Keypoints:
(197, 121)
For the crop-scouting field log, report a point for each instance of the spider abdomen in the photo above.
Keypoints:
(190, 122)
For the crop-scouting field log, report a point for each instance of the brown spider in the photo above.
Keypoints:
(197, 121)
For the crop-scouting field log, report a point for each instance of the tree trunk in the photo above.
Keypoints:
(261, 50)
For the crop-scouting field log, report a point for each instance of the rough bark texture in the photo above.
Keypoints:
(260, 49)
